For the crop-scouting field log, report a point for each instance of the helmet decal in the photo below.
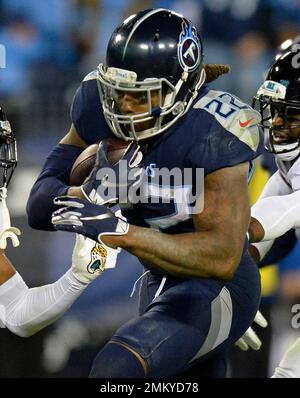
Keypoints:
(189, 51)
(272, 89)
(285, 82)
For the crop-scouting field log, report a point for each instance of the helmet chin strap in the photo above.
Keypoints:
(170, 94)
(197, 88)
(194, 93)
(179, 109)
(168, 100)
(6, 176)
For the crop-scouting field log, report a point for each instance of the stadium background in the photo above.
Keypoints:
(50, 46)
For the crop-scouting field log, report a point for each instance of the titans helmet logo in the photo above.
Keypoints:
(189, 51)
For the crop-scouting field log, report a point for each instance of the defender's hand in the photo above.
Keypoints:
(90, 259)
(10, 233)
(114, 183)
(88, 219)
(250, 338)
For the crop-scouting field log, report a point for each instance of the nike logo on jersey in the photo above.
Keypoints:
(245, 124)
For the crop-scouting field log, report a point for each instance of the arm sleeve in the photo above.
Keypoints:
(263, 247)
(26, 311)
(53, 181)
(277, 214)
(275, 186)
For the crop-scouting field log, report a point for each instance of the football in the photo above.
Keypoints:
(85, 162)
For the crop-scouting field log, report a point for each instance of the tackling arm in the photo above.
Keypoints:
(275, 187)
(274, 216)
(25, 311)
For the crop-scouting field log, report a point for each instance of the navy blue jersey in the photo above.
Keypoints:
(218, 131)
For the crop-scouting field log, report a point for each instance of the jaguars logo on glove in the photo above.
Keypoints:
(98, 259)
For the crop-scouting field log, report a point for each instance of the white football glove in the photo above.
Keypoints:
(6, 230)
(90, 259)
(250, 338)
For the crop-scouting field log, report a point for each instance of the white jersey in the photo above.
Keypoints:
(278, 208)
(290, 173)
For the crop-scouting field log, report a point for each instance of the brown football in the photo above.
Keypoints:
(85, 162)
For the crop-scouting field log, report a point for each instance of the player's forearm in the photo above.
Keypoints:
(190, 255)
(40, 203)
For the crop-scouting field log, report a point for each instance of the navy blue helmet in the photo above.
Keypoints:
(158, 51)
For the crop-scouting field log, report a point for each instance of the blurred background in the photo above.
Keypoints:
(50, 46)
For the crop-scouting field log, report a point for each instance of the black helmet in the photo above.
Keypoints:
(153, 50)
(280, 94)
(8, 149)
(285, 46)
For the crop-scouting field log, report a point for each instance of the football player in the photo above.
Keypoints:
(25, 311)
(278, 208)
(201, 289)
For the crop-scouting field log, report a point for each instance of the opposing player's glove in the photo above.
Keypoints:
(114, 183)
(6, 230)
(88, 219)
(90, 259)
(250, 338)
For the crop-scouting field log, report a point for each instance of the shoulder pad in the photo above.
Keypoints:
(91, 76)
(234, 116)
